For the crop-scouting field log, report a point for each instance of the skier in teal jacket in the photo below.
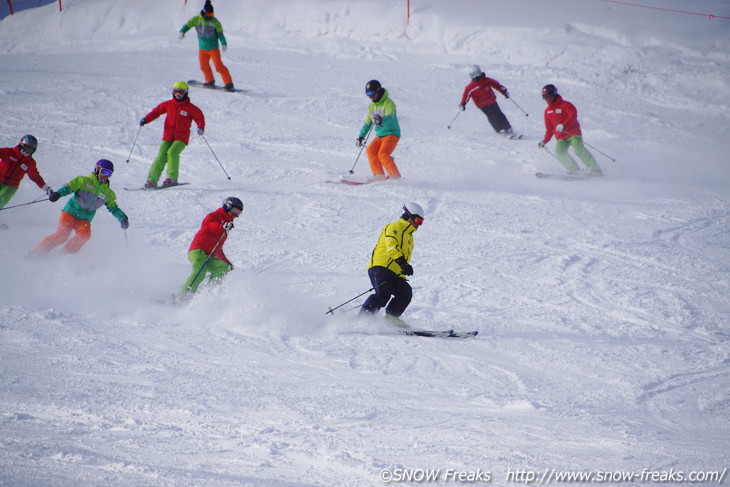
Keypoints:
(210, 32)
(382, 114)
(90, 193)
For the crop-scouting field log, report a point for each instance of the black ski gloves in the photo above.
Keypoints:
(405, 266)
(53, 196)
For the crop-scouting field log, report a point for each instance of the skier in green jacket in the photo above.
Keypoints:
(90, 193)
(382, 114)
(210, 32)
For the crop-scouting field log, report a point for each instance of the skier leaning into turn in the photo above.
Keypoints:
(481, 91)
(389, 265)
(90, 193)
(206, 250)
(561, 120)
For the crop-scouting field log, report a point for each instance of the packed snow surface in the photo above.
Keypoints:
(602, 305)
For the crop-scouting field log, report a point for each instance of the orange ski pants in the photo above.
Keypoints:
(379, 155)
(66, 225)
(205, 57)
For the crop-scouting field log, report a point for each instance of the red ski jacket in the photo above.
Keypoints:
(180, 116)
(557, 112)
(481, 92)
(14, 166)
(211, 230)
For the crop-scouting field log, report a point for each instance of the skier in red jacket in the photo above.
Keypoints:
(15, 163)
(561, 120)
(180, 115)
(206, 250)
(480, 90)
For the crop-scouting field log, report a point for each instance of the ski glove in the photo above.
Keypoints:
(228, 226)
(541, 144)
(182, 34)
(224, 48)
(48, 190)
(53, 196)
(142, 122)
(406, 268)
(559, 127)
(230, 266)
(505, 93)
(360, 141)
(377, 120)
(200, 131)
(125, 223)
(462, 107)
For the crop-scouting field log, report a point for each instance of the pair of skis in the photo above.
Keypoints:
(439, 334)
(155, 188)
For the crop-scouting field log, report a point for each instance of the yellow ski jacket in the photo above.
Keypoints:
(396, 240)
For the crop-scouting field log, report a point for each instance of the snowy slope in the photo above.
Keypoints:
(601, 305)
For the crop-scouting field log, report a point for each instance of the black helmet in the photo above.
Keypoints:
(207, 8)
(372, 87)
(28, 144)
(549, 92)
(232, 202)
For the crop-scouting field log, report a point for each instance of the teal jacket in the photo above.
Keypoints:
(386, 109)
(209, 30)
(89, 195)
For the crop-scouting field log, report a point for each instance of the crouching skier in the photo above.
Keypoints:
(389, 265)
(90, 193)
(206, 250)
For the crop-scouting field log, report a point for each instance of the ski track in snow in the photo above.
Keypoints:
(601, 306)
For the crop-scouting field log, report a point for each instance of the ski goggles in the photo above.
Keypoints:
(417, 221)
(179, 93)
(370, 93)
(105, 172)
(27, 150)
(236, 212)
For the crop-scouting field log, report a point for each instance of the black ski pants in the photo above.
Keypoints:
(496, 118)
(387, 283)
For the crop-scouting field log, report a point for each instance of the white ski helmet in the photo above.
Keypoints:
(474, 71)
(412, 210)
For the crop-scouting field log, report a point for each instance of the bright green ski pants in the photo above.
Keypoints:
(216, 267)
(169, 154)
(6, 193)
(576, 141)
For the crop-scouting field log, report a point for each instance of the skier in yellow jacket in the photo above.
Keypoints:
(389, 264)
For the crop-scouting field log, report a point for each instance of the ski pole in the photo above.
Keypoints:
(599, 151)
(554, 156)
(364, 144)
(134, 143)
(526, 114)
(454, 120)
(25, 204)
(215, 247)
(593, 147)
(331, 310)
(216, 157)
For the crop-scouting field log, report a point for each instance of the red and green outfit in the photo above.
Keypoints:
(208, 242)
